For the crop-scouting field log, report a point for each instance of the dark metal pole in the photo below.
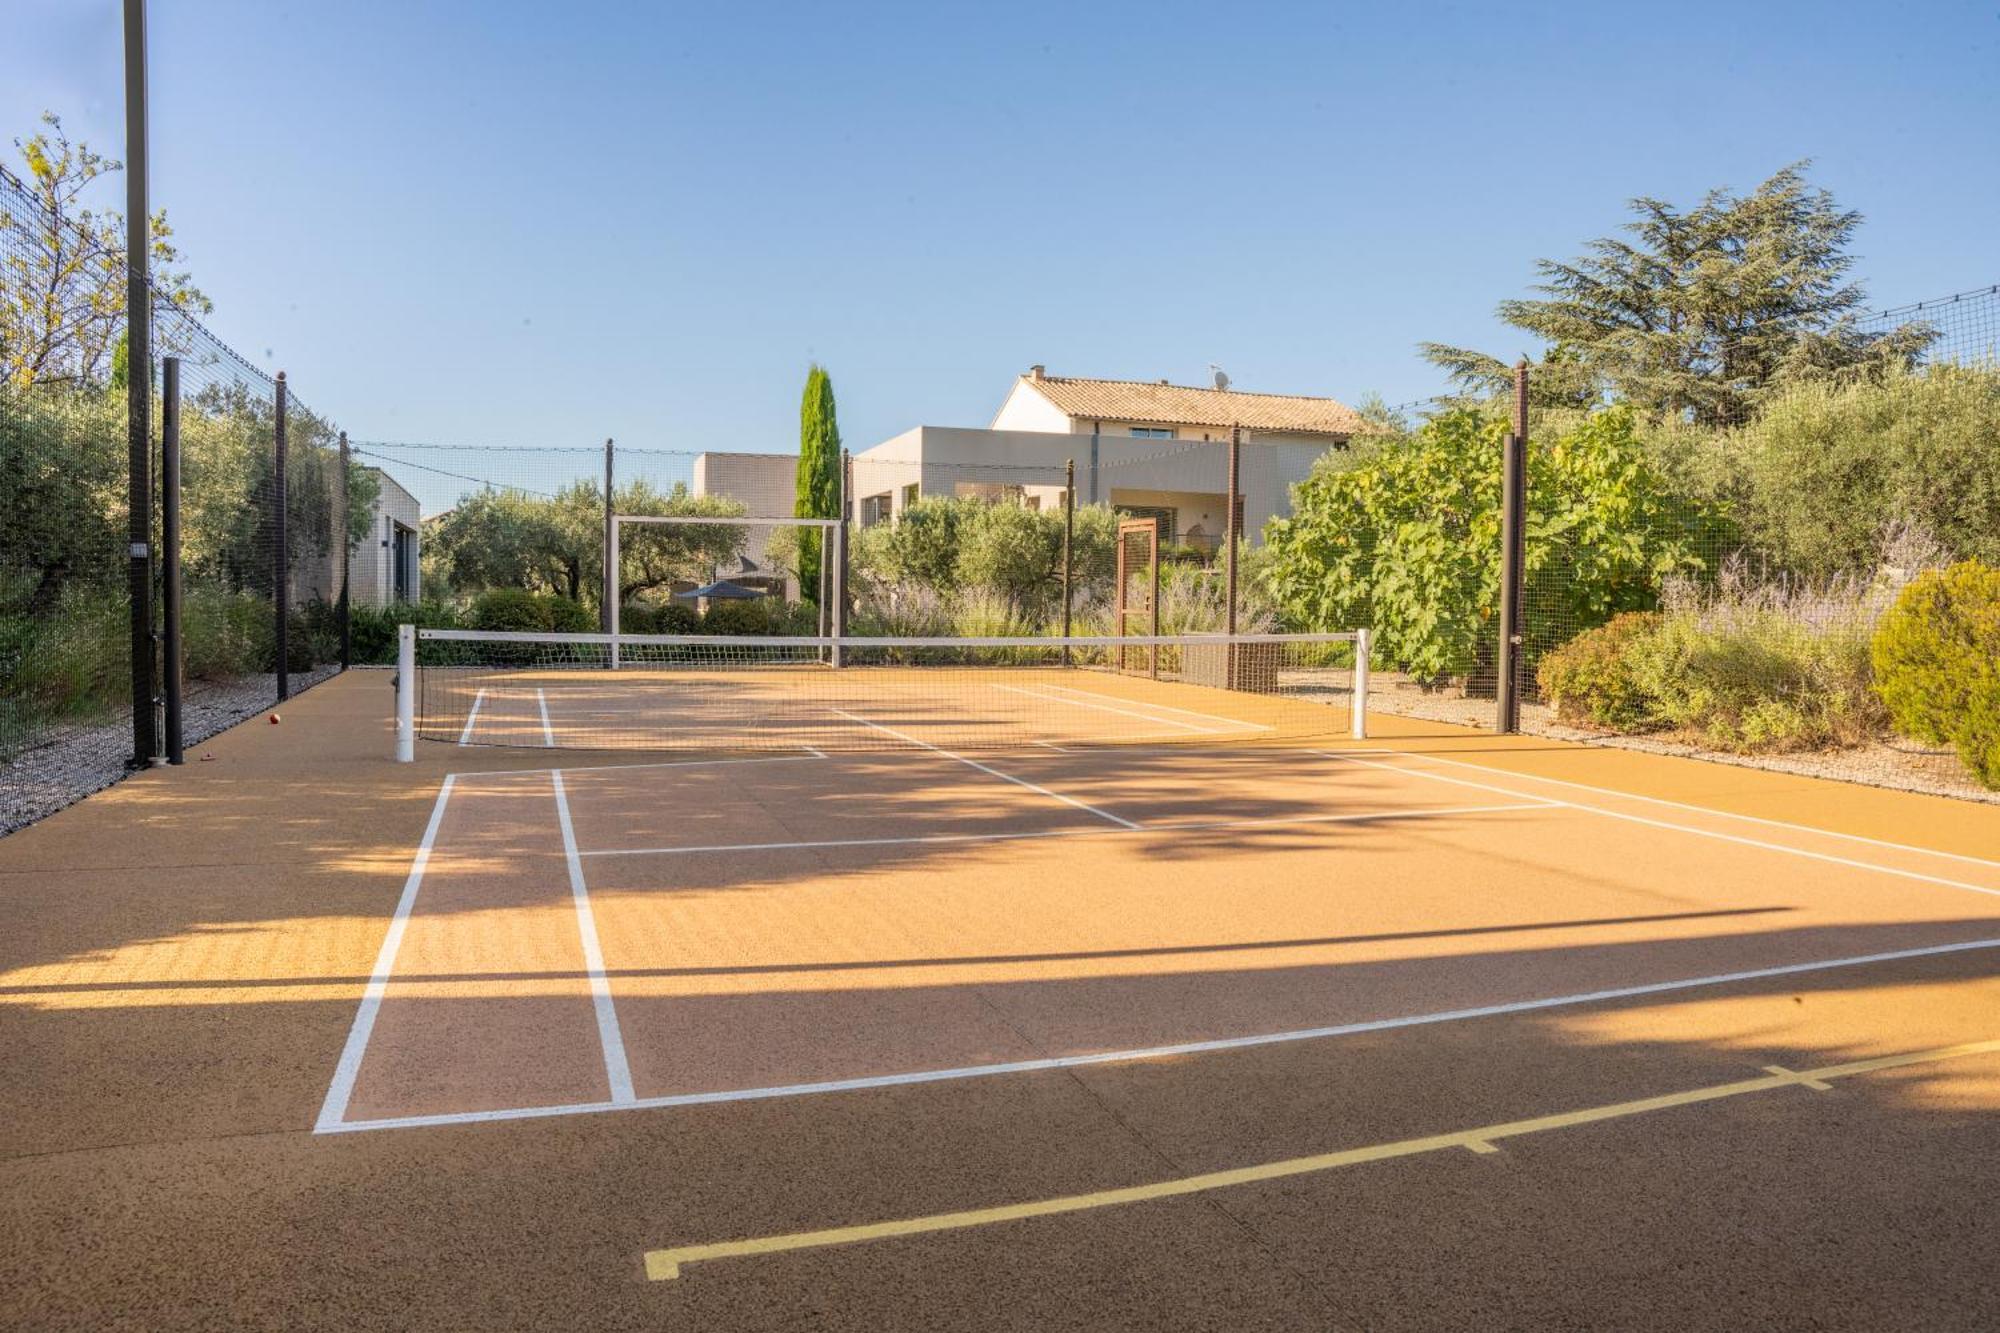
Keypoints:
(170, 551)
(1229, 556)
(139, 386)
(609, 593)
(1513, 520)
(281, 557)
(346, 549)
(1069, 556)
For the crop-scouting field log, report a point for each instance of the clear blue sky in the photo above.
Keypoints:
(547, 224)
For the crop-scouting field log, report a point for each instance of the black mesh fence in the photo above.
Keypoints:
(261, 551)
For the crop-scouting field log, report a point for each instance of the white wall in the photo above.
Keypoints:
(371, 577)
(1026, 409)
(765, 485)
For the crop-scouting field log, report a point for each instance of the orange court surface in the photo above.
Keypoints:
(1223, 1026)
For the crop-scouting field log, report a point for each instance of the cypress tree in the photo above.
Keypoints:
(818, 493)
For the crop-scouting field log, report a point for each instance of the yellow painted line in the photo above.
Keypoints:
(662, 1265)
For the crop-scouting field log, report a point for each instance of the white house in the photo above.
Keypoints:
(1151, 449)
(765, 484)
(386, 566)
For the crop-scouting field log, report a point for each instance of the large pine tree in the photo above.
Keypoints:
(818, 493)
(1702, 313)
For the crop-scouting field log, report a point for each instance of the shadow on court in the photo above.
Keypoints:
(183, 957)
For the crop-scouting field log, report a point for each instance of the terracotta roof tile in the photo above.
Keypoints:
(1185, 405)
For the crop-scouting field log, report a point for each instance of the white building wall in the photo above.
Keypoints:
(371, 575)
(766, 485)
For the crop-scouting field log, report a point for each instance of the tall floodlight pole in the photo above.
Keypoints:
(138, 386)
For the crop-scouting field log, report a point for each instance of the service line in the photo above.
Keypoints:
(1207, 1047)
(664, 1265)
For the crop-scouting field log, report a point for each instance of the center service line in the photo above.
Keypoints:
(991, 772)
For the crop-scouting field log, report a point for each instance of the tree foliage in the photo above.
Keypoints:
(958, 545)
(818, 490)
(555, 544)
(1407, 543)
(1702, 313)
(62, 301)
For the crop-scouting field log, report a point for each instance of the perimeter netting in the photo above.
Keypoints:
(740, 693)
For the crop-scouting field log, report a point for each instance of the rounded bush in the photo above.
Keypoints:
(1590, 679)
(1937, 663)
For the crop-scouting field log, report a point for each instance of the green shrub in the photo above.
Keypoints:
(1937, 663)
(516, 610)
(1763, 668)
(663, 618)
(373, 628)
(1590, 679)
(225, 635)
(763, 615)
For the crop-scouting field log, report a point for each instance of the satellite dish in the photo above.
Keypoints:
(1221, 377)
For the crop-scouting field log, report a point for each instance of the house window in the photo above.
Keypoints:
(910, 493)
(874, 509)
(1152, 433)
(1167, 519)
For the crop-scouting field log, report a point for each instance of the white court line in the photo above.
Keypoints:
(1107, 708)
(994, 772)
(1376, 816)
(1698, 809)
(1163, 1052)
(465, 737)
(1236, 723)
(662, 763)
(1716, 834)
(334, 1109)
(548, 733)
(616, 1069)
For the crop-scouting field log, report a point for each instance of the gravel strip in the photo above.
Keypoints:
(72, 762)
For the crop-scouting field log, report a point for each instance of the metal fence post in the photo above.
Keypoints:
(1513, 521)
(346, 549)
(607, 614)
(1229, 556)
(840, 555)
(170, 553)
(1069, 553)
(138, 386)
(281, 556)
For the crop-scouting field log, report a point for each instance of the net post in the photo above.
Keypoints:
(406, 693)
(344, 529)
(170, 553)
(1363, 643)
(138, 387)
(281, 558)
(1068, 554)
(1513, 520)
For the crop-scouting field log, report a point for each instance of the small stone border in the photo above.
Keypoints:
(73, 762)
(1896, 765)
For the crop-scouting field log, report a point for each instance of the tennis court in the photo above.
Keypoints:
(1027, 995)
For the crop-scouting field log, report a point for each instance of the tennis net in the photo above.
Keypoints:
(748, 693)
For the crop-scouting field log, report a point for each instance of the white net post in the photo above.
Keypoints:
(406, 693)
(1361, 648)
